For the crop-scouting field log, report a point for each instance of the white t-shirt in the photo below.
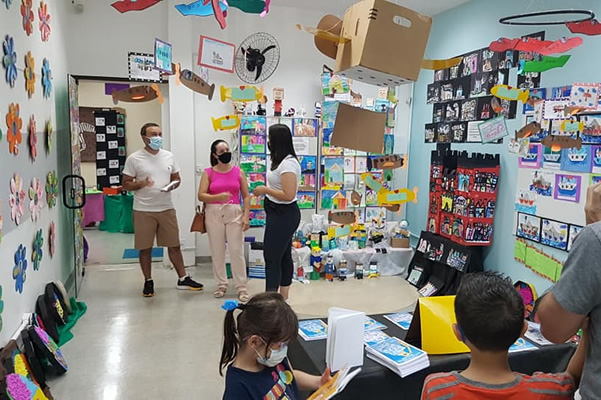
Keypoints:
(159, 167)
(274, 178)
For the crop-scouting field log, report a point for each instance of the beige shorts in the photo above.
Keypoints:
(162, 224)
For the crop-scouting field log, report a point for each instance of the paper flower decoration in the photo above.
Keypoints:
(10, 60)
(20, 268)
(36, 196)
(33, 138)
(46, 78)
(51, 234)
(48, 132)
(14, 124)
(16, 198)
(37, 250)
(44, 21)
(29, 72)
(1, 308)
(28, 16)
(7, 3)
(51, 188)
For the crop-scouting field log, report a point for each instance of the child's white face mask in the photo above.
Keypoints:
(275, 358)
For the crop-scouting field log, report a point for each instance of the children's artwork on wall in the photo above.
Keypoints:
(554, 234)
(525, 201)
(333, 200)
(533, 158)
(561, 92)
(333, 171)
(20, 268)
(594, 179)
(551, 158)
(253, 144)
(14, 124)
(567, 187)
(305, 127)
(37, 249)
(554, 109)
(255, 180)
(371, 198)
(250, 163)
(375, 215)
(256, 202)
(349, 165)
(591, 133)
(576, 160)
(253, 125)
(33, 138)
(308, 164)
(51, 188)
(36, 199)
(388, 144)
(327, 148)
(29, 73)
(28, 16)
(46, 78)
(16, 199)
(306, 200)
(596, 159)
(536, 94)
(528, 227)
(360, 165)
(10, 60)
(44, 21)
(350, 181)
(257, 218)
(585, 95)
(542, 183)
(574, 231)
(430, 133)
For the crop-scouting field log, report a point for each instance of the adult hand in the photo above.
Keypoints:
(245, 225)
(260, 190)
(592, 208)
(148, 182)
(223, 197)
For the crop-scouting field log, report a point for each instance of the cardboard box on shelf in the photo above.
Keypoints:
(399, 243)
(359, 129)
(387, 43)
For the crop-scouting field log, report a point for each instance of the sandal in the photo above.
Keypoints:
(243, 297)
(219, 293)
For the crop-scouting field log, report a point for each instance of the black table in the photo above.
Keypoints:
(378, 382)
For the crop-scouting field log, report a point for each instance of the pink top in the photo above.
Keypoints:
(225, 182)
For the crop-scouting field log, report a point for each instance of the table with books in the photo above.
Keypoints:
(389, 378)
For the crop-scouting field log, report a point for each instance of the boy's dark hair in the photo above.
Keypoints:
(266, 315)
(280, 144)
(146, 126)
(489, 310)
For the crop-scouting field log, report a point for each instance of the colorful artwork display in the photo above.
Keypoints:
(533, 158)
(528, 227)
(554, 234)
(567, 187)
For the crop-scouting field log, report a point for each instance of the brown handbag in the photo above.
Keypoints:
(198, 223)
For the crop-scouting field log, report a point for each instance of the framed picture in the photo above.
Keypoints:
(163, 56)
(141, 68)
(567, 187)
(216, 54)
(554, 234)
(528, 227)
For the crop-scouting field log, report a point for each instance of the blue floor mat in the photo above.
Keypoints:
(157, 252)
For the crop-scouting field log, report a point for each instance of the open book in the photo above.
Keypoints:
(335, 385)
(344, 344)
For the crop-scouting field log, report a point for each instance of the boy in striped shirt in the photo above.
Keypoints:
(490, 318)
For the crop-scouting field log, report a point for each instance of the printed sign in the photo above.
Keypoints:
(493, 130)
(216, 54)
(163, 56)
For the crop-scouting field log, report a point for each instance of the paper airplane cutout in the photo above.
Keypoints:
(528, 130)
(342, 217)
(225, 123)
(441, 64)
(124, 6)
(193, 81)
(389, 162)
(138, 94)
(557, 143)
(250, 6)
(398, 196)
(199, 8)
(591, 27)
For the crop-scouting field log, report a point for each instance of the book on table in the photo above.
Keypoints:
(398, 356)
(312, 329)
(402, 319)
(371, 324)
(335, 385)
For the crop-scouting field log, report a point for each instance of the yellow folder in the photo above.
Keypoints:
(437, 316)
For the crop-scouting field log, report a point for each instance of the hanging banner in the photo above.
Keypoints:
(163, 56)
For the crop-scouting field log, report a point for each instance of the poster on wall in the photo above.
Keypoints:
(567, 187)
(216, 54)
(528, 227)
(163, 56)
(87, 134)
(554, 234)
(141, 68)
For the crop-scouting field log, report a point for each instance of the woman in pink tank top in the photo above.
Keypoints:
(221, 188)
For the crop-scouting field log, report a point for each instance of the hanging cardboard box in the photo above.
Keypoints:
(387, 43)
(359, 129)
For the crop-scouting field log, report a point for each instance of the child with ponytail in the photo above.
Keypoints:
(254, 351)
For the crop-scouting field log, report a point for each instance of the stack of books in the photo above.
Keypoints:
(373, 325)
(402, 358)
(402, 320)
(313, 329)
(344, 344)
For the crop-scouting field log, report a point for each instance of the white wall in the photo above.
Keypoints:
(91, 94)
(60, 266)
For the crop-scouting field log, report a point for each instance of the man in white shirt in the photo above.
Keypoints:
(152, 173)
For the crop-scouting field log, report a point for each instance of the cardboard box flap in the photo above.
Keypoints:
(359, 129)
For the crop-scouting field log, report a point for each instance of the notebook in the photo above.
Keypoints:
(344, 347)
(335, 385)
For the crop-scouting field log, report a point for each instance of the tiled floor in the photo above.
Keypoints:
(107, 248)
(168, 347)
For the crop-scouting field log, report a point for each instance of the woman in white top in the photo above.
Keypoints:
(283, 215)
